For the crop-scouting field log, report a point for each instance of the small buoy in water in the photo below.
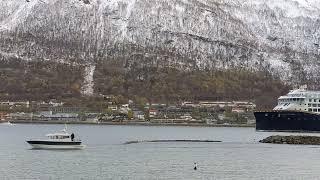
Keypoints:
(195, 166)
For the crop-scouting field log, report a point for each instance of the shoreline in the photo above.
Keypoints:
(131, 123)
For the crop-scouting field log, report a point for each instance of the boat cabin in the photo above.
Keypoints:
(61, 136)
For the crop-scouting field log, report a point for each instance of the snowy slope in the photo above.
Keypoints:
(278, 36)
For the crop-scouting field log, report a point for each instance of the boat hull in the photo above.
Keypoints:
(55, 145)
(287, 121)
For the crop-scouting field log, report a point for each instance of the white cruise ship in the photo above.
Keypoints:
(299, 110)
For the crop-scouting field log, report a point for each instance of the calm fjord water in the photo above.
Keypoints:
(239, 156)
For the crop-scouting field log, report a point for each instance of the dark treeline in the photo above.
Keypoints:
(43, 80)
(39, 80)
(169, 85)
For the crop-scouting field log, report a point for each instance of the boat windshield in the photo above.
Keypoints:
(58, 137)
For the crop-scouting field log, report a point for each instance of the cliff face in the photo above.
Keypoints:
(280, 37)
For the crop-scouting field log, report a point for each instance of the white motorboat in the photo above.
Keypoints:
(59, 140)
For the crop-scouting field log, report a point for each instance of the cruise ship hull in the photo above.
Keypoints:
(287, 121)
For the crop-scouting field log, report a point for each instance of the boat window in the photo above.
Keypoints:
(309, 109)
(314, 100)
(309, 105)
(314, 105)
(315, 110)
(310, 100)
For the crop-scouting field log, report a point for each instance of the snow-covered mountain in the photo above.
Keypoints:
(270, 35)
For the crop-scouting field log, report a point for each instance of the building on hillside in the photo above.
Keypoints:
(212, 104)
(55, 103)
(113, 107)
(107, 97)
(16, 103)
(189, 104)
(222, 104)
(46, 106)
(245, 104)
(238, 109)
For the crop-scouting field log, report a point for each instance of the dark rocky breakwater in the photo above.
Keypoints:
(308, 140)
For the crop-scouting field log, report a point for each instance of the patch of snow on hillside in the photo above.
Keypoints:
(295, 8)
(125, 21)
(87, 88)
(19, 15)
(282, 68)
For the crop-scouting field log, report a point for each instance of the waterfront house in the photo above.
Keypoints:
(3, 116)
(124, 109)
(20, 116)
(138, 114)
(152, 113)
(251, 121)
(49, 115)
(92, 117)
(63, 109)
(186, 117)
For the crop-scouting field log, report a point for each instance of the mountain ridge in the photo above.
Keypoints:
(278, 37)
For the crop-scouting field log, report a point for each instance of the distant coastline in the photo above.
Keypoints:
(130, 123)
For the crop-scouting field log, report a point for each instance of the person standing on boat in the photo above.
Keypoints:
(72, 137)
